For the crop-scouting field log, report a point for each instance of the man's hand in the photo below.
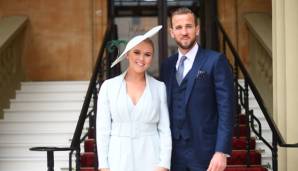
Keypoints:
(161, 169)
(218, 162)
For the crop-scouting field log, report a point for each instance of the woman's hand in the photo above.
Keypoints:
(161, 169)
(104, 169)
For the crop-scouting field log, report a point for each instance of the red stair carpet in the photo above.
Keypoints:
(235, 163)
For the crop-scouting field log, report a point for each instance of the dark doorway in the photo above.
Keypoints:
(137, 16)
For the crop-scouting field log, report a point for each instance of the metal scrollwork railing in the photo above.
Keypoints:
(101, 72)
(242, 96)
(87, 117)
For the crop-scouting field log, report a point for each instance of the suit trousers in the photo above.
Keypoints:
(184, 157)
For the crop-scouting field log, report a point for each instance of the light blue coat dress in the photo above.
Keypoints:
(133, 137)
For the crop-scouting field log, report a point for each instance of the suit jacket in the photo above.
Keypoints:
(209, 101)
(133, 138)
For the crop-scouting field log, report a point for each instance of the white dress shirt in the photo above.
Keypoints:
(190, 58)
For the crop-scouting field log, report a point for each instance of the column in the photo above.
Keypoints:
(285, 80)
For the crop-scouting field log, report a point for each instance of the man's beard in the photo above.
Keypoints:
(186, 47)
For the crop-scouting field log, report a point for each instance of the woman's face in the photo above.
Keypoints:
(140, 57)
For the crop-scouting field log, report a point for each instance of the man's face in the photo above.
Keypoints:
(184, 31)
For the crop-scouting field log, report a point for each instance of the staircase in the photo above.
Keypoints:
(260, 154)
(45, 114)
(88, 156)
(42, 114)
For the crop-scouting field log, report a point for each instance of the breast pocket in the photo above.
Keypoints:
(203, 83)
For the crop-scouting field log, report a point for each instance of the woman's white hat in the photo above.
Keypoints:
(135, 41)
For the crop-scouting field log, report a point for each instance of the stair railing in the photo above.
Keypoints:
(88, 112)
(101, 72)
(12, 41)
(242, 96)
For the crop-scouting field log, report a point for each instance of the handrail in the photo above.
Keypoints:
(10, 27)
(91, 94)
(92, 84)
(255, 91)
(243, 99)
(100, 73)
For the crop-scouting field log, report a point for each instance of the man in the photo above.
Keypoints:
(200, 98)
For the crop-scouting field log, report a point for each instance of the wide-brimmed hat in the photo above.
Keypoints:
(135, 41)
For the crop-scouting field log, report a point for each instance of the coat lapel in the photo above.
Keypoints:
(144, 103)
(198, 63)
(121, 98)
(172, 69)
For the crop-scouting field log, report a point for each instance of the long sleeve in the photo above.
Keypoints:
(225, 104)
(164, 131)
(103, 129)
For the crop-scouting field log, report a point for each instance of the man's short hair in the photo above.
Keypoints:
(182, 10)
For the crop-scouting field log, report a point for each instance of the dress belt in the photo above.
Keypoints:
(133, 129)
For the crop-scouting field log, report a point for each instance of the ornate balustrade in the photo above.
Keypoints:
(11, 47)
(260, 55)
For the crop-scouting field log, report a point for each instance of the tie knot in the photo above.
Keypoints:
(182, 58)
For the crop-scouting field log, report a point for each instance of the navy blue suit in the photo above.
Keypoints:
(203, 116)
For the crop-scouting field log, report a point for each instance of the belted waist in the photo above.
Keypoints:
(133, 130)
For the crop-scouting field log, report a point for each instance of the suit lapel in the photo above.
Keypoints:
(119, 95)
(172, 69)
(198, 62)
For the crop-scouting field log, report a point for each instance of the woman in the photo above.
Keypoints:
(133, 132)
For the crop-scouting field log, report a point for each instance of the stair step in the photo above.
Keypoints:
(46, 105)
(238, 157)
(20, 95)
(29, 145)
(91, 133)
(72, 83)
(40, 126)
(15, 165)
(241, 130)
(25, 153)
(71, 115)
(241, 119)
(257, 112)
(21, 150)
(36, 137)
(88, 169)
(87, 159)
(241, 142)
(30, 163)
(89, 145)
(244, 168)
(54, 86)
(267, 133)
(264, 126)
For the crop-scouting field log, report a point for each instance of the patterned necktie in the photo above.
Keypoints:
(179, 73)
